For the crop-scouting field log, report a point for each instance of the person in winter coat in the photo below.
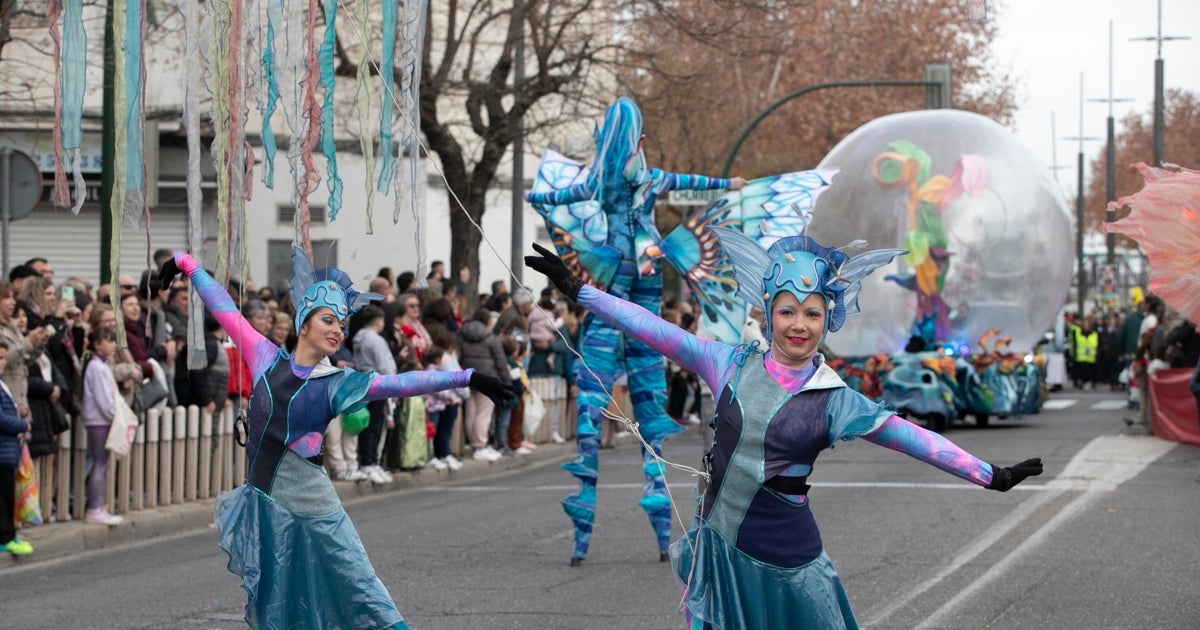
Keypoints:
(480, 348)
(209, 386)
(48, 392)
(11, 428)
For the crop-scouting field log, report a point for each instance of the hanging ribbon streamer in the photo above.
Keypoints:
(71, 84)
(362, 92)
(218, 24)
(241, 155)
(290, 60)
(387, 86)
(408, 168)
(61, 195)
(134, 202)
(271, 87)
(328, 145)
(309, 179)
(192, 85)
(116, 199)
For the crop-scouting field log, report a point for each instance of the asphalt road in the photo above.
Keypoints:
(1109, 537)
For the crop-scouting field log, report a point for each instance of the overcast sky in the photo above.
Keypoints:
(1047, 44)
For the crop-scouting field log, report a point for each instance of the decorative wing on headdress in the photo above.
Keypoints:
(849, 278)
(303, 276)
(763, 211)
(750, 262)
(579, 230)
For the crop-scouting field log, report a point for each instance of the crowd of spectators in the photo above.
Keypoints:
(1120, 350)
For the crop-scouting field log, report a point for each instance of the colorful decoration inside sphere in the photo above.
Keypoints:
(987, 228)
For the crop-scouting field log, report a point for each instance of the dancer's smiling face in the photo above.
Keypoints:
(796, 328)
(323, 331)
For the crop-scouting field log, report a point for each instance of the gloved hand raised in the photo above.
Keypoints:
(551, 266)
(167, 273)
(1003, 479)
(491, 387)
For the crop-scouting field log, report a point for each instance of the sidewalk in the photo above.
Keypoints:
(57, 540)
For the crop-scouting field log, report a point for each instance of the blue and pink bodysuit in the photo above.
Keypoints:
(299, 556)
(753, 557)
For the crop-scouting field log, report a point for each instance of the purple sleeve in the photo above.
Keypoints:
(257, 350)
(416, 383)
(712, 360)
(905, 437)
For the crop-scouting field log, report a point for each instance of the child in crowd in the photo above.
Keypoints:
(443, 412)
(12, 427)
(507, 433)
(99, 408)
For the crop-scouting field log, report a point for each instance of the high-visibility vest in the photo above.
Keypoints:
(1086, 347)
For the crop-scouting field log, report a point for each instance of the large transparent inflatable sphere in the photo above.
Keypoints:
(989, 233)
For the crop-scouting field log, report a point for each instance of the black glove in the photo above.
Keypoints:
(551, 266)
(1003, 479)
(491, 387)
(167, 273)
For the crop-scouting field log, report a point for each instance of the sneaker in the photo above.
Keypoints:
(17, 547)
(438, 464)
(529, 446)
(351, 474)
(693, 418)
(480, 456)
(558, 439)
(101, 515)
(453, 462)
(376, 475)
(522, 450)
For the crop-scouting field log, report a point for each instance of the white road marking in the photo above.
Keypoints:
(1059, 403)
(1100, 467)
(1105, 405)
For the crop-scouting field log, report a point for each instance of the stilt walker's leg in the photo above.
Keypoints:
(599, 340)
(648, 391)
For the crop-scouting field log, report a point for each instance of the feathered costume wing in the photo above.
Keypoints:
(1165, 221)
(764, 211)
(579, 230)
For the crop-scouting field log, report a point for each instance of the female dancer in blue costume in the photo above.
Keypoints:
(299, 556)
(626, 190)
(753, 557)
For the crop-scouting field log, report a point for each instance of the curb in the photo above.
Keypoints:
(59, 540)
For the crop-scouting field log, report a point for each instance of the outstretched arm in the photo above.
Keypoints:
(415, 383)
(420, 382)
(258, 351)
(560, 197)
(905, 437)
(710, 359)
(677, 181)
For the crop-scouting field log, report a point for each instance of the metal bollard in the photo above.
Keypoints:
(137, 462)
(177, 454)
(206, 454)
(192, 448)
(152, 455)
(166, 434)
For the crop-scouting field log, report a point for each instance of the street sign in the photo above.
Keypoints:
(694, 197)
(21, 182)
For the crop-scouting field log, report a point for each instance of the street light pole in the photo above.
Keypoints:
(1110, 155)
(1081, 277)
(1158, 86)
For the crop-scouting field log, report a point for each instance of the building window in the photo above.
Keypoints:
(287, 214)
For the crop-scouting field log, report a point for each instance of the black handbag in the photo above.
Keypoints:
(151, 393)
